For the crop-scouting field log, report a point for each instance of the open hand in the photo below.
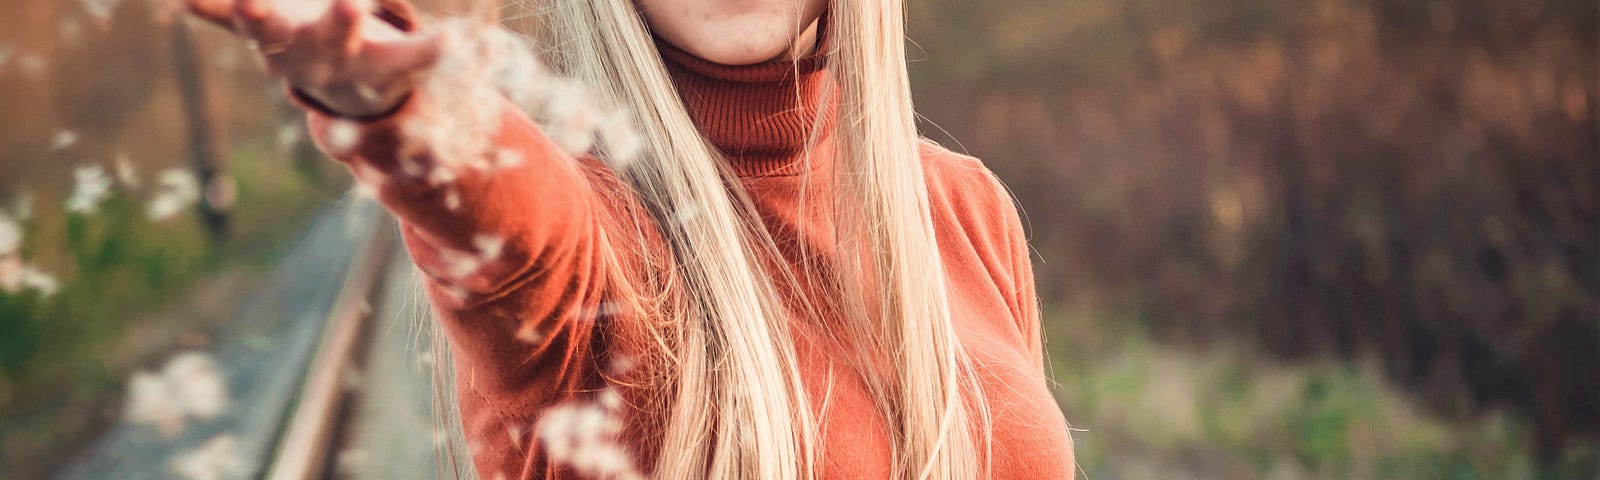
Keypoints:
(337, 52)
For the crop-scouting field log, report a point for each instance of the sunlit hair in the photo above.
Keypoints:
(740, 408)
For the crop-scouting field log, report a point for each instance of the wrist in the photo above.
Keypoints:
(343, 107)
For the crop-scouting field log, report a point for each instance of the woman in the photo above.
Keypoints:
(787, 283)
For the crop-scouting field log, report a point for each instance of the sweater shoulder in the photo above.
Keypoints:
(967, 186)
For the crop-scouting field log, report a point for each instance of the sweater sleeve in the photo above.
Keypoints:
(508, 253)
(1025, 297)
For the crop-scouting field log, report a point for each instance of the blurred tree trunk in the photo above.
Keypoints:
(205, 155)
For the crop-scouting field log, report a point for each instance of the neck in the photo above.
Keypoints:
(764, 117)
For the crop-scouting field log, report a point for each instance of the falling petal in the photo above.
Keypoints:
(506, 158)
(10, 235)
(197, 384)
(459, 265)
(177, 189)
(621, 364)
(452, 199)
(91, 187)
(530, 335)
(411, 166)
(288, 136)
(152, 402)
(101, 9)
(623, 144)
(31, 278)
(70, 29)
(24, 206)
(32, 65)
(488, 246)
(216, 459)
(343, 135)
(63, 139)
(368, 180)
(685, 214)
(126, 175)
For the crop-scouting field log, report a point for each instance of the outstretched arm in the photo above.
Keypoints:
(505, 232)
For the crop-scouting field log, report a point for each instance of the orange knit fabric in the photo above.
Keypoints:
(534, 327)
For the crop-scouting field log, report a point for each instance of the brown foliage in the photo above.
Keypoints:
(1413, 181)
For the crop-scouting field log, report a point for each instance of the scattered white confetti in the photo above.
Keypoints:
(685, 214)
(101, 9)
(177, 189)
(126, 175)
(459, 265)
(71, 31)
(456, 293)
(572, 120)
(621, 364)
(63, 139)
(441, 176)
(24, 206)
(10, 235)
(584, 436)
(90, 188)
(368, 180)
(16, 276)
(513, 67)
(608, 309)
(452, 199)
(197, 384)
(530, 335)
(507, 158)
(216, 459)
(488, 246)
(623, 144)
(342, 135)
(611, 400)
(411, 166)
(150, 402)
(32, 65)
(288, 136)
(368, 93)
(190, 385)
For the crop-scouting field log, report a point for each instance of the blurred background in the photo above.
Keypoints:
(1274, 238)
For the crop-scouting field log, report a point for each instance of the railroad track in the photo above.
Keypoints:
(309, 441)
(323, 368)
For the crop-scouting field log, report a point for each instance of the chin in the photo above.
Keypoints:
(738, 44)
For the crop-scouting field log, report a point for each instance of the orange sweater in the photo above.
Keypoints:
(528, 331)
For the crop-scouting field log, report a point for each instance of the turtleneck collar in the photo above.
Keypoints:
(760, 116)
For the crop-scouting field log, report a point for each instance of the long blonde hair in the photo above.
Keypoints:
(740, 409)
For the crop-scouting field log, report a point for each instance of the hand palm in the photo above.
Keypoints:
(341, 55)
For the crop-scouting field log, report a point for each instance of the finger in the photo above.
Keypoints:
(253, 10)
(219, 12)
(342, 19)
(410, 55)
(259, 21)
(346, 14)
